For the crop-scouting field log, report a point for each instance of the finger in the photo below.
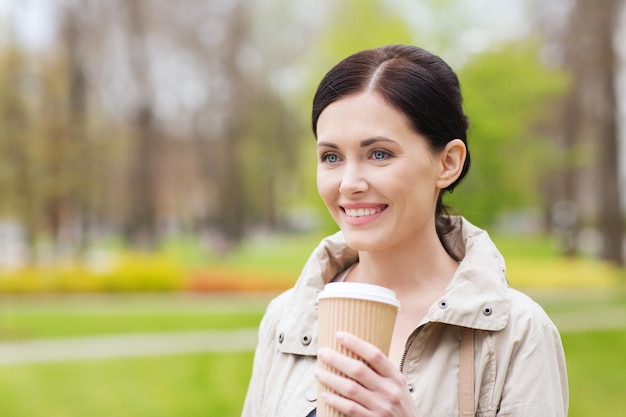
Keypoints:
(355, 374)
(345, 405)
(372, 355)
(371, 391)
(342, 386)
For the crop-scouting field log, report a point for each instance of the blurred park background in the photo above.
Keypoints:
(157, 183)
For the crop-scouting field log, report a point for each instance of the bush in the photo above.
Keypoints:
(140, 272)
(128, 272)
(236, 279)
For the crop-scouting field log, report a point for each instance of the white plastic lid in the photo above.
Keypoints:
(360, 291)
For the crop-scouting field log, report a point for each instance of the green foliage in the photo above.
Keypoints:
(360, 24)
(508, 93)
(48, 166)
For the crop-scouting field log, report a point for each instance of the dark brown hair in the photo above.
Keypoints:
(414, 81)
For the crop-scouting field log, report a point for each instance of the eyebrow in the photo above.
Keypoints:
(364, 143)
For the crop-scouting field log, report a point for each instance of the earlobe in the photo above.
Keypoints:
(452, 159)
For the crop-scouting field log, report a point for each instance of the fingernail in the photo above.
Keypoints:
(322, 352)
(341, 336)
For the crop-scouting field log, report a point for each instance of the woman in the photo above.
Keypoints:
(391, 139)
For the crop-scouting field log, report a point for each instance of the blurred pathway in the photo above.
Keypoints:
(221, 341)
(120, 346)
(601, 319)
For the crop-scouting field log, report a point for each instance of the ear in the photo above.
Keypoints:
(451, 159)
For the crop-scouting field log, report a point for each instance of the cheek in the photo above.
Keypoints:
(326, 185)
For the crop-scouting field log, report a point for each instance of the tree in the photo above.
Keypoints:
(592, 114)
(508, 96)
(20, 196)
(71, 208)
(141, 223)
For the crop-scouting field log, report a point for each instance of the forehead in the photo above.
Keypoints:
(362, 115)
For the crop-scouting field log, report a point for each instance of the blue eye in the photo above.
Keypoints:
(330, 158)
(378, 155)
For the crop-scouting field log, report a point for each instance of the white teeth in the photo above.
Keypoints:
(362, 212)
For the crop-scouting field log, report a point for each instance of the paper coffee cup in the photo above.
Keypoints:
(365, 310)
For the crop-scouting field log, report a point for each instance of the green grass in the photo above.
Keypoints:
(214, 385)
(177, 386)
(589, 300)
(535, 262)
(34, 317)
(61, 325)
(281, 253)
(526, 247)
(596, 364)
(210, 385)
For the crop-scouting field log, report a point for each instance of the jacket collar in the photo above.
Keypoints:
(476, 296)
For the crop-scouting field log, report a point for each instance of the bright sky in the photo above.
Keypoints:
(485, 20)
(33, 21)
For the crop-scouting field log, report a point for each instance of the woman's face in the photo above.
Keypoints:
(377, 176)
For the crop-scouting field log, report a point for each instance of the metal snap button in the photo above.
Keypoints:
(411, 388)
(281, 337)
(311, 395)
(306, 339)
(487, 311)
(443, 304)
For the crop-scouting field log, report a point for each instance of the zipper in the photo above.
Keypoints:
(408, 345)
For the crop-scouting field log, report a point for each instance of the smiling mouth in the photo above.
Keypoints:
(362, 212)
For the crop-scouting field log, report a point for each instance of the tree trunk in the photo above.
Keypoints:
(605, 115)
(80, 157)
(592, 111)
(141, 222)
(231, 189)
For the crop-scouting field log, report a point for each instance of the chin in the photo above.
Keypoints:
(362, 241)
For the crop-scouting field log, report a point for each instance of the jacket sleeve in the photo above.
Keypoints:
(263, 356)
(536, 381)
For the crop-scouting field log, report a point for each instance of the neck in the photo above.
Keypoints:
(422, 266)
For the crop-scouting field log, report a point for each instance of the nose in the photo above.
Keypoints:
(353, 180)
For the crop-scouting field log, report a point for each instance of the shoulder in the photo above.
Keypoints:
(276, 308)
(524, 308)
(531, 353)
(528, 320)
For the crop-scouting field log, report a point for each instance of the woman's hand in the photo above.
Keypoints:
(372, 387)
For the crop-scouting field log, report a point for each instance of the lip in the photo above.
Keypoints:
(375, 211)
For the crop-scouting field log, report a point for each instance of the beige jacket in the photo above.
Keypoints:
(519, 361)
